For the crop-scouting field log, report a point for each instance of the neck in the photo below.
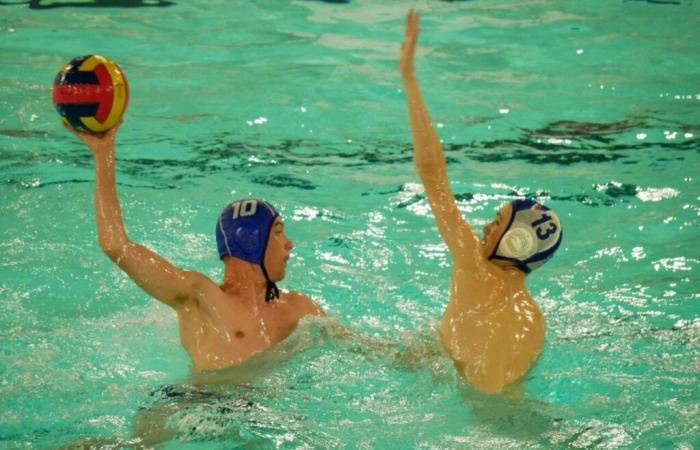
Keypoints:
(244, 280)
(515, 275)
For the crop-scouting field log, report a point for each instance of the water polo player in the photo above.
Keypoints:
(492, 327)
(220, 325)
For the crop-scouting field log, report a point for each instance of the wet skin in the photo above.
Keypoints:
(220, 325)
(492, 328)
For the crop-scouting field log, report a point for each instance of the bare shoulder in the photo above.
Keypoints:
(473, 265)
(303, 303)
(200, 286)
(199, 280)
(482, 287)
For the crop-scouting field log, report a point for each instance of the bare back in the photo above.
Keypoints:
(492, 328)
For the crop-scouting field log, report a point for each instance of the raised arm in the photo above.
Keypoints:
(151, 272)
(427, 153)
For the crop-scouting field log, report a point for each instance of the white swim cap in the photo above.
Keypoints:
(532, 236)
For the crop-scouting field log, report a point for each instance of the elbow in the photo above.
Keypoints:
(112, 253)
(113, 250)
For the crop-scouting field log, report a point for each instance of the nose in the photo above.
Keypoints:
(289, 245)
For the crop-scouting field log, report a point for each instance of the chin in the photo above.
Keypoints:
(279, 276)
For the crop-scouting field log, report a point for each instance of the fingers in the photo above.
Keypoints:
(79, 134)
(86, 136)
(408, 46)
(412, 20)
(96, 142)
(411, 17)
(112, 132)
(67, 127)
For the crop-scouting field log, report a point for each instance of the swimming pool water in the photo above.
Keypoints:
(593, 107)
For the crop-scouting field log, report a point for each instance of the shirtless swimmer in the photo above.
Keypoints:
(220, 325)
(492, 328)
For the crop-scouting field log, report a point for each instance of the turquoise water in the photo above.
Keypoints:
(594, 107)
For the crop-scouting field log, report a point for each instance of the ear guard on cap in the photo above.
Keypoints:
(248, 239)
(532, 236)
(518, 242)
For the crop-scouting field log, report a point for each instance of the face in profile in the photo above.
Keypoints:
(278, 250)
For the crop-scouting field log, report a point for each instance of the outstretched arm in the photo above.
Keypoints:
(151, 272)
(427, 152)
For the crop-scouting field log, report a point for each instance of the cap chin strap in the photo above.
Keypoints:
(271, 292)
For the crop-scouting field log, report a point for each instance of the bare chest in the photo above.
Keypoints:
(224, 335)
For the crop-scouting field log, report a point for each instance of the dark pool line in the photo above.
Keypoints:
(656, 2)
(591, 143)
(41, 4)
(40, 185)
(596, 200)
(609, 195)
(217, 155)
(650, 332)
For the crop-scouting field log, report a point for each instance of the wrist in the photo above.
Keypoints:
(103, 153)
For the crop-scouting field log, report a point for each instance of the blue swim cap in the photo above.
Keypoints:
(532, 236)
(243, 230)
